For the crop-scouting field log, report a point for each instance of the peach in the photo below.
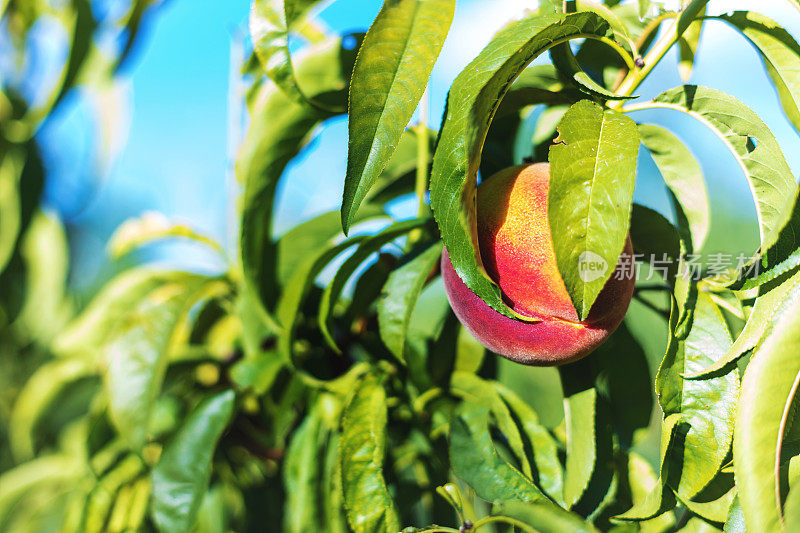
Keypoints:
(517, 252)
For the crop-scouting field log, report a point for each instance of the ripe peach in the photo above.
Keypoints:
(517, 252)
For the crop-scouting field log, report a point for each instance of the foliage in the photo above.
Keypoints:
(322, 382)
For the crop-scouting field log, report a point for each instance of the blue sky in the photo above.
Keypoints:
(175, 129)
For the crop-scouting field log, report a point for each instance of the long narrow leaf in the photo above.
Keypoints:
(768, 387)
(389, 77)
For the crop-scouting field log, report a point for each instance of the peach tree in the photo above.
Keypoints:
(323, 381)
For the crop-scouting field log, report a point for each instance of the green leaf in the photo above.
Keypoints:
(769, 385)
(271, 21)
(389, 77)
(778, 260)
(45, 472)
(180, 478)
(37, 396)
(792, 510)
(301, 476)
(10, 211)
(473, 100)
(537, 84)
(715, 500)
(608, 15)
(761, 316)
(475, 459)
(580, 412)
(44, 250)
(752, 144)
(332, 495)
(279, 127)
(734, 523)
(306, 239)
(683, 176)
(643, 482)
(780, 53)
(565, 61)
(589, 471)
(593, 169)
(399, 297)
(548, 473)
(691, 9)
(362, 447)
(481, 392)
(661, 498)
(687, 45)
(369, 246)
(150, 227)
(136, 357)
(296, 289)
(87, 333)
(707, 407)
(257, 373)
(544, 518)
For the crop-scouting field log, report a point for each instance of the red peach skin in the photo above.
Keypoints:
(517, 251)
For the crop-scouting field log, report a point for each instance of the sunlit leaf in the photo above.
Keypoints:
(271, 21)
(37, 396)
(564, 59)
(181, 476)
(778, 260)
(707, 407)
(86, 334)
(10, 216)
(301, 477)
(683, 176)
(752, 144)
(545, 518)
(150, 227)
(297, 287)
(548, 470)
(660, 498)
(761, 316)
(362, 446)
(279, 127)
(399, 297)
(593, 169)
(369, 246)
(136, 356)
(475, 460)
(780, 53)
(482, 392)
(47, 472)
(769, 384)
(389, 77)
(687, 45)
